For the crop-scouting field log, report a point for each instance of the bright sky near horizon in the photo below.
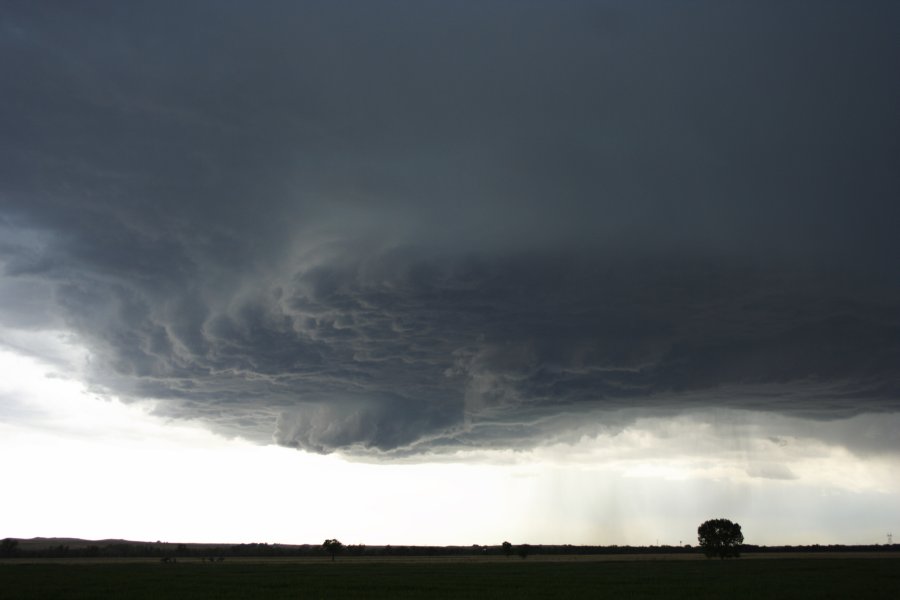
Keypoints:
(449, 273)
(95, 468)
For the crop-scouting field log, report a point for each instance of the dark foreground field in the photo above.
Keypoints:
(514, 579)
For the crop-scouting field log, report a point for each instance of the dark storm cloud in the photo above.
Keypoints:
(400, 227)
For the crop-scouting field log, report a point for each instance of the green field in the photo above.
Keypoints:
(513, 579)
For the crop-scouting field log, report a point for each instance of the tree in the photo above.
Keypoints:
(332, 547)
(8, 547)
(507, 549)
(524, 550)
(720, 537)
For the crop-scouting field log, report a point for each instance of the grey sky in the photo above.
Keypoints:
(411, 226)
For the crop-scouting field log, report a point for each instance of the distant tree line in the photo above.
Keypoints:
(12, 548)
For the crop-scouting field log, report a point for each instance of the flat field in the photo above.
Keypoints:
(825, 577)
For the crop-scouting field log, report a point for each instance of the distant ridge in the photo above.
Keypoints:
(37, 543)
(71, 542)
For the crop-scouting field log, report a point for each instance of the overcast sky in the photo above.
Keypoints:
(527, 250)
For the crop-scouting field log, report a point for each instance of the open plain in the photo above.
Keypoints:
(661, 576)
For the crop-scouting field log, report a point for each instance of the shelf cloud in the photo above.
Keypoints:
(403, 228)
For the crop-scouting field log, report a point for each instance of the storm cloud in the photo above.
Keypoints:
(411, 227)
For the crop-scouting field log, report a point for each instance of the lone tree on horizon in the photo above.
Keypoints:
(720, 537)
(332, 547)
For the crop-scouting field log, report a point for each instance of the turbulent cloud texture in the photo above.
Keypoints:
(406, 227)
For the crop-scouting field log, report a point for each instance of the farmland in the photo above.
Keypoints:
(832, 576)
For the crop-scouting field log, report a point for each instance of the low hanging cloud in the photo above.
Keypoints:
(396, 232)
(397, 353)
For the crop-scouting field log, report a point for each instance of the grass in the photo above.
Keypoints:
(513, 579)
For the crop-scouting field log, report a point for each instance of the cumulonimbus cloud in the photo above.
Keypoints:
(397, 242)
